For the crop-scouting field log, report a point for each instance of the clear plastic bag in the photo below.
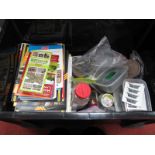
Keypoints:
(96, 60)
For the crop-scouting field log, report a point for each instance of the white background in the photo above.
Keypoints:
(77, 9)
(76, 145)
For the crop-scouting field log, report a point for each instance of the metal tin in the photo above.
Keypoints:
(106, 100)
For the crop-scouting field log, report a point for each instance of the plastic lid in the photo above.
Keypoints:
(83, 90)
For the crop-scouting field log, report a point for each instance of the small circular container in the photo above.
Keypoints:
(106, 100)
(82, 93)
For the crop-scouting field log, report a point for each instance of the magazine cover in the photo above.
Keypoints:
(57, 50)
(39, 76)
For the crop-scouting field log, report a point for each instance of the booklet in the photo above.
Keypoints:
(39, 75)
(56, 49)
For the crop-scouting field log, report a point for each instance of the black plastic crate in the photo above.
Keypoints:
(79, 36)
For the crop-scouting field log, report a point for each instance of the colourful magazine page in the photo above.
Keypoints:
(38, 74)
(24, 53)
(35, 73)
(49, 86)
(48, 91)
(56, 49)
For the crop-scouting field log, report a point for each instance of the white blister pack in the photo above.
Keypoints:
(136, 95)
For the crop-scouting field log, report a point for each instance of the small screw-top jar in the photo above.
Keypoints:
(81, 96)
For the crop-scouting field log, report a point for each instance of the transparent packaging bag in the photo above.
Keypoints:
(97, 59)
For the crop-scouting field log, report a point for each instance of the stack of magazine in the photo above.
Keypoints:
(40, 83)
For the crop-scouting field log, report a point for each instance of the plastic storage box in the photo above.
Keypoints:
(111, 79)
(78, 36)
